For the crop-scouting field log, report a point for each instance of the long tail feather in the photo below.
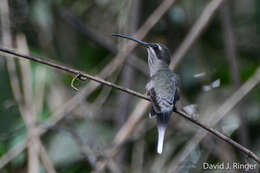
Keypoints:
(161, 133)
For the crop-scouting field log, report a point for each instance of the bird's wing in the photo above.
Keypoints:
(162, 102)
(155, 100)
(163, 94)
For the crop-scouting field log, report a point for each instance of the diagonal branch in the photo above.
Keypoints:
(137, 115)
(13, 153)
(107, 71)
(215, 117)
(101, 40)
(195, 32)
(46, 160)
(129, 91)
(81, 75)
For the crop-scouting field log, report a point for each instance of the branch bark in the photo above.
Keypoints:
(142, 96)
(136, 116)
(83, 76)
(107, 71)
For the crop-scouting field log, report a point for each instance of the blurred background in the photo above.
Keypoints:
(100, 129)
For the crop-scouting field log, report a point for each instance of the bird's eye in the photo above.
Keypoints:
(155, 46)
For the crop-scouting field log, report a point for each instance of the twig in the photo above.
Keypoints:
(138, 156)
(107, 71)
(73, 81)
(81, 75)
(216, 116)
(222, 136)
(13, 153)
(158, 163)
(224, 151)
(89, 155)
(110, 68)
(101, 40)
(64, 68)
(216, 133)
(195, 32)
(102, 97)
(15, 85)
(30, 116)
(232, 57)
(85, 150)
(46, 160)
(128, 73)
(192, 36)
(35, 146)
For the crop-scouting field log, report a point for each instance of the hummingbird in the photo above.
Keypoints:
(162, 88)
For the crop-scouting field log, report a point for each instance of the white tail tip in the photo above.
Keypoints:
(161, 132)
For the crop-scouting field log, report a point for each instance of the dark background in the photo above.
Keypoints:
(77, 33)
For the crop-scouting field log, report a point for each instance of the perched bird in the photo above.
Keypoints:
(163, 87)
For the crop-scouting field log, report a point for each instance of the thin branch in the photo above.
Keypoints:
(85, 150)
(45, 159)
(128, 73)
(215, 117)
(222, 136)
(25, 109)
(100, 39)
(30, 116)
(107, 71)
(232, 57)
(195, 32)
(110, 68)
(13, 153)
(142, 96)
(216, 133)
(95, 107)
(135, 118)
(81, 75)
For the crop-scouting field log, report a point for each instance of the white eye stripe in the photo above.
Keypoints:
(159, 47)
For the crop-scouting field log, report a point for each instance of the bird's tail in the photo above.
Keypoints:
(162, 122)
(161, 133)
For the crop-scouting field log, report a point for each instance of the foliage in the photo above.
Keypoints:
(76, 33)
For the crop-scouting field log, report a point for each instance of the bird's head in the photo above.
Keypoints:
(158, 54)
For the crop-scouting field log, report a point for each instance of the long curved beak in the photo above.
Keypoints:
(133, 39)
